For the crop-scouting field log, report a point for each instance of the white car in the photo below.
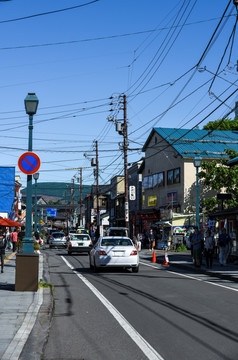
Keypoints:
(79, 243)
(57, 239)
(114, 251)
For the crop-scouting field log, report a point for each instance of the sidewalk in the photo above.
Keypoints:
(19, 311)
(183, 260)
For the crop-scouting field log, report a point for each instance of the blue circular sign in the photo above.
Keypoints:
(29, 163)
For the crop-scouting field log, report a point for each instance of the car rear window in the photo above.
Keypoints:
(116, 242)
(79, 237)
(58, 235)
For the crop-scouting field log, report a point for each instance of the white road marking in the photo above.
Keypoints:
(145, 347)
(192, 277)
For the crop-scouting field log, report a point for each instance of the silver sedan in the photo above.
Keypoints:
(114, 251)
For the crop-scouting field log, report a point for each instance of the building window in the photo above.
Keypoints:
(170, 176)
(177, 176)
(173, 176)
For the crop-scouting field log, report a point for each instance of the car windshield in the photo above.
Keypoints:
(116, 242)
(58, 235)
(79, 237)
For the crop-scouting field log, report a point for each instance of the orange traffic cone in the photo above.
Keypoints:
(166, 259)
(154, 257)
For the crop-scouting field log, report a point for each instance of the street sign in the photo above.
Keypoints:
(132, 192)
(51, 212)
(29, 163)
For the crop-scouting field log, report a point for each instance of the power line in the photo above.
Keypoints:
(171, 45)
(47, 12)
(106, 37)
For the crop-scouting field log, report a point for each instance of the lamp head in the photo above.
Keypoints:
(36, 176)
(197, 161)
(31, 103)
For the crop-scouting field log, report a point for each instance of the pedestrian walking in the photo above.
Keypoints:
(135, 241)
(14, 237)
(197, 247)
(209, 249)
(9, 244)
(139, 241)
(224, 243)
(151, 239)
(3, 244)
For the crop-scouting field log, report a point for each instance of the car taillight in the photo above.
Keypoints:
(102, 252)
(134, 252)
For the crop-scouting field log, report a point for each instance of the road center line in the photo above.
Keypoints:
(191, 277)
(145, 347)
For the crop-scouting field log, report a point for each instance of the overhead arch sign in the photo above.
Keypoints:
(29, 163)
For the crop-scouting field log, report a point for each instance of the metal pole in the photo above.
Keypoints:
(35, 224)
(81, 197)
(197, 199)
(28, 241)
(125, 163)
(97, 182)
(40, 219)
(73, 204)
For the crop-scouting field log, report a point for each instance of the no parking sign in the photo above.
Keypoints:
(29, 163)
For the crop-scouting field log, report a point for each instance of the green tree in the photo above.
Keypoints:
(220, 178)
(58, 202)
(226, 124)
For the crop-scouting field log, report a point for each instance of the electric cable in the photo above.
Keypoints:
(170, 47)
(47, 12)
(154, 57)
(224, 53)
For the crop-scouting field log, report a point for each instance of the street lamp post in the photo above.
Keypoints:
(197, 163)
(36, 177)
(31, 103)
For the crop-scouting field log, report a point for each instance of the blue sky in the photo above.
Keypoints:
(125, 46)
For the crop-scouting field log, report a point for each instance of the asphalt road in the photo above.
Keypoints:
(155, 314)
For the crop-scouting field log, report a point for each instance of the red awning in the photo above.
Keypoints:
(8, 222)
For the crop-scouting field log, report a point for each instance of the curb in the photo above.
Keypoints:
(206, 272)
(196, 270)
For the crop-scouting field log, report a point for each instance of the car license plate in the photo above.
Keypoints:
(118, 253)
(80, 244)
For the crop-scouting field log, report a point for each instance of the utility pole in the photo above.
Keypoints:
(125, 147)
(81, 197)
(97, 188)
(73, 200)
(121, 128)
(66, 213)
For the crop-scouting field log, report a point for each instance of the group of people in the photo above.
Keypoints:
(145, 240)
(7, 240)
(206, 245)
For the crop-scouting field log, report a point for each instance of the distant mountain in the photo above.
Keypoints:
(60, 190)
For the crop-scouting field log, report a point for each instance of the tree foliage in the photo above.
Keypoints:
(226, 124)
(221, 178)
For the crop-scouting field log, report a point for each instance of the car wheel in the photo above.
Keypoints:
(135, 269)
